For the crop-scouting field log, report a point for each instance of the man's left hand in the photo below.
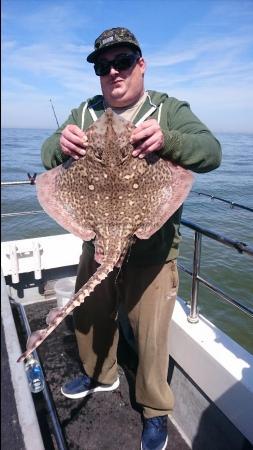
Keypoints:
(146, 138)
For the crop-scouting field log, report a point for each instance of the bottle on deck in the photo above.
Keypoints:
(34, 374)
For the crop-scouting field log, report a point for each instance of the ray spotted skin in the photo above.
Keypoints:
(111, 197)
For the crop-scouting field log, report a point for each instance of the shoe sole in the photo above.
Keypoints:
(111, 387)
(163, 448)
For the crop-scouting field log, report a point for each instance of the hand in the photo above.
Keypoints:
(73, 141)
(147, 137)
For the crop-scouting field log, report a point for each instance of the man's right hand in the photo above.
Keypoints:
(73, 141)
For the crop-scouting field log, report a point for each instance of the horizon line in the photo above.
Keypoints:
(54, 129)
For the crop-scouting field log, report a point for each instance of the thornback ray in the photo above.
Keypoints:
(111, 197)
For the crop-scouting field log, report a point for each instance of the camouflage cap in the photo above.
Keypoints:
(113, 38)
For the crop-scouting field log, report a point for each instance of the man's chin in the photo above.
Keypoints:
(117, 94)
(117, 90)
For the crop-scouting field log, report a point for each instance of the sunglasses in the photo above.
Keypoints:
(120, 62)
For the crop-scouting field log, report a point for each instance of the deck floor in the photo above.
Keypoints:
(103, 421)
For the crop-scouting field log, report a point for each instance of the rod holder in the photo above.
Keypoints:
(37, 260)
(14, 263)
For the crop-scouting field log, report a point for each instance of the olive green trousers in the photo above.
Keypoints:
(148, 296)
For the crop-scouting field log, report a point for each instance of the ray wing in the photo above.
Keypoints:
(171, 186)
(48, 196)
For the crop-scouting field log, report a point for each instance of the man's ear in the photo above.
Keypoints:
(142, 64)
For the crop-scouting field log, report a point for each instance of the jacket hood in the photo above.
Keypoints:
(157, 97)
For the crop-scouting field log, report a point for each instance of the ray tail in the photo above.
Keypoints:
(57, 315)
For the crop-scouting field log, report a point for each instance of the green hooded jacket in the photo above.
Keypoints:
(188, 142)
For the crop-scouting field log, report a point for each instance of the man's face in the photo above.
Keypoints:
(122, 87)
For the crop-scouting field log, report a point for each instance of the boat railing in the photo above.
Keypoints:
(196, 277)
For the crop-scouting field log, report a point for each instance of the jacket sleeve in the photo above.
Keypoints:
(188, 141)
(51, 154)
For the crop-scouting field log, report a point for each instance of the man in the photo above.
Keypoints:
(148, 281)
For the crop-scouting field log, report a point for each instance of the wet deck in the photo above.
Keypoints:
(103, 421)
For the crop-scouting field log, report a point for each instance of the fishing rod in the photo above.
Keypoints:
(32, 180)
(54, 112)
(232, 204)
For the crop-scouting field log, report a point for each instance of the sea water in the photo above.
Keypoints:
(224, 266)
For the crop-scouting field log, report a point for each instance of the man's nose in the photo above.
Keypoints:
(113, 71)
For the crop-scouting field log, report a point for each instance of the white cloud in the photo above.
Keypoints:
(200, 48)
(207, 63)
(215, 74)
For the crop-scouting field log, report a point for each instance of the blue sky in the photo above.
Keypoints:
(200, 51)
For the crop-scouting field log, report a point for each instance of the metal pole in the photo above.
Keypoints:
(193, 316)
(241, 247)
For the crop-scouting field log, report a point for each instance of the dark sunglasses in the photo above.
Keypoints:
(120, 62)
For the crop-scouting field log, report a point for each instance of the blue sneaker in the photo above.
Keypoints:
(155, 433)
(84, 385)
